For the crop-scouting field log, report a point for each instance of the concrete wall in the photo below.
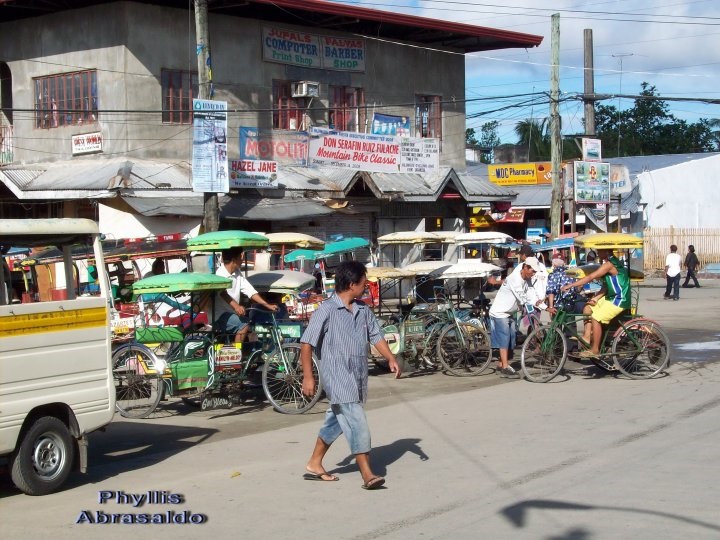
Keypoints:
(129, 44)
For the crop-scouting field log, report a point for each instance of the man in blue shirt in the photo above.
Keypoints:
(340, 330)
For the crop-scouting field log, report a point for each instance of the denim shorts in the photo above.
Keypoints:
(350, 419)
(502, 333)
(231, 323)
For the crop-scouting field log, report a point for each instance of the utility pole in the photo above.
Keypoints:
(589, 80)
(556, 210)
(211, 210)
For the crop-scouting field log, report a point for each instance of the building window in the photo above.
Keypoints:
(178, 89)
(287, 111)
(428, 117)
(66, 99)
(347, 109)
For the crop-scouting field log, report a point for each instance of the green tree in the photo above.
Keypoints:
(535, 135)
(489, 139)
(648, 128)
(470, 137)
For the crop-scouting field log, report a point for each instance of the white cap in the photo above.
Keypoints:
(533, 263)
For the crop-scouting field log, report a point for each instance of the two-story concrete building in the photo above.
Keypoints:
(96, 100)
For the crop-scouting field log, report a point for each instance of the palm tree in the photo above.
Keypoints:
(535, 134)
(714, 125)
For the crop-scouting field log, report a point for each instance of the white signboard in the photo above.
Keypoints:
(294, 47)
(591, 149)
(374, 153)
(253, 173)
(419, 155)
(209, 159)
(87, 143)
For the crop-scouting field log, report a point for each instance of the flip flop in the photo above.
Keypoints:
(374, 483)
(321, 477)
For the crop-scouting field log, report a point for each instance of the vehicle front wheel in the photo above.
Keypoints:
(44, 458)
(543, 355)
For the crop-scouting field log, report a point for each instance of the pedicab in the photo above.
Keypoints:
(631, 345)
(202, 365)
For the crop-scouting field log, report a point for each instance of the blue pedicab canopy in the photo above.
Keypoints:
(221, 240)
(180, 282)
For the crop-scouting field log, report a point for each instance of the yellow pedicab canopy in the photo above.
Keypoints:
(609, 241)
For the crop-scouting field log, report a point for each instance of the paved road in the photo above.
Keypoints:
(586, 456)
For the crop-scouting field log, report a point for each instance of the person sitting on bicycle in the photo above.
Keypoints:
(574, 301)
(230, 315)
(611, 301)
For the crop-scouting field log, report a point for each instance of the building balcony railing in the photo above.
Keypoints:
(6, 144)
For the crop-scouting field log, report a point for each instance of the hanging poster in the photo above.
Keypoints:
(209, 157)
(592, 182)
(386, 124)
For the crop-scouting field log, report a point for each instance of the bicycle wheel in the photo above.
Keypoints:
(137, 389)
(464, 350)
(641, 350)
(282, 381)
(543, 355)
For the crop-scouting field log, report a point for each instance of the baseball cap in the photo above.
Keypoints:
(526, 250)
(533, 263)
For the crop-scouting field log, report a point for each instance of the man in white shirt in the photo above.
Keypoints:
(673, 267)
(515, 291)
(229, 314)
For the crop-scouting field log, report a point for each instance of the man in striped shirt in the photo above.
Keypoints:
(340, 330)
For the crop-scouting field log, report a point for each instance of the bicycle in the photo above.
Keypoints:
(639, 348)
(463, 346)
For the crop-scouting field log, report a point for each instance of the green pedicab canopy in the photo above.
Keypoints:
(221, 240)
(180, 282)
(331, 248)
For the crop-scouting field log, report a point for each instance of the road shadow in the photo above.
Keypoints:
(384, 456)
(519, 514)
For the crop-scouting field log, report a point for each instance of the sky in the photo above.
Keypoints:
(669, 44)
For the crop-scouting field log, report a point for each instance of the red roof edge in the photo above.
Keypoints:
(333, 8)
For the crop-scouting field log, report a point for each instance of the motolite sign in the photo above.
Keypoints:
(285, 147)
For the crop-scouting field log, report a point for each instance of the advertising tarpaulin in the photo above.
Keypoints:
(250, 173)
(592, 182)
(619, 180)
(386, 124)
(514, 215)
(284, 146)
(358, 151)
(298, 48)
(374, 153)
(209, 158)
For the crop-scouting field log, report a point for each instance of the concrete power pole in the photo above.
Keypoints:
(211, 210)
(589, 80)
(556, 210)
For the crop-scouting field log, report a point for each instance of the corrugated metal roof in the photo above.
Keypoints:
(538, 196)
(639, 164)
(480, 188)
(94, 178)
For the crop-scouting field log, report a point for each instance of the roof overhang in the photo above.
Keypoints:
(323, 15)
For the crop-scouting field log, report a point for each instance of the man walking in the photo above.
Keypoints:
(516, 290)
(691, 263)
(673, 267)
(340, 330)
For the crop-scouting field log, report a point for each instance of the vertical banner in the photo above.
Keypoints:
(209, 159)
(592, 182)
